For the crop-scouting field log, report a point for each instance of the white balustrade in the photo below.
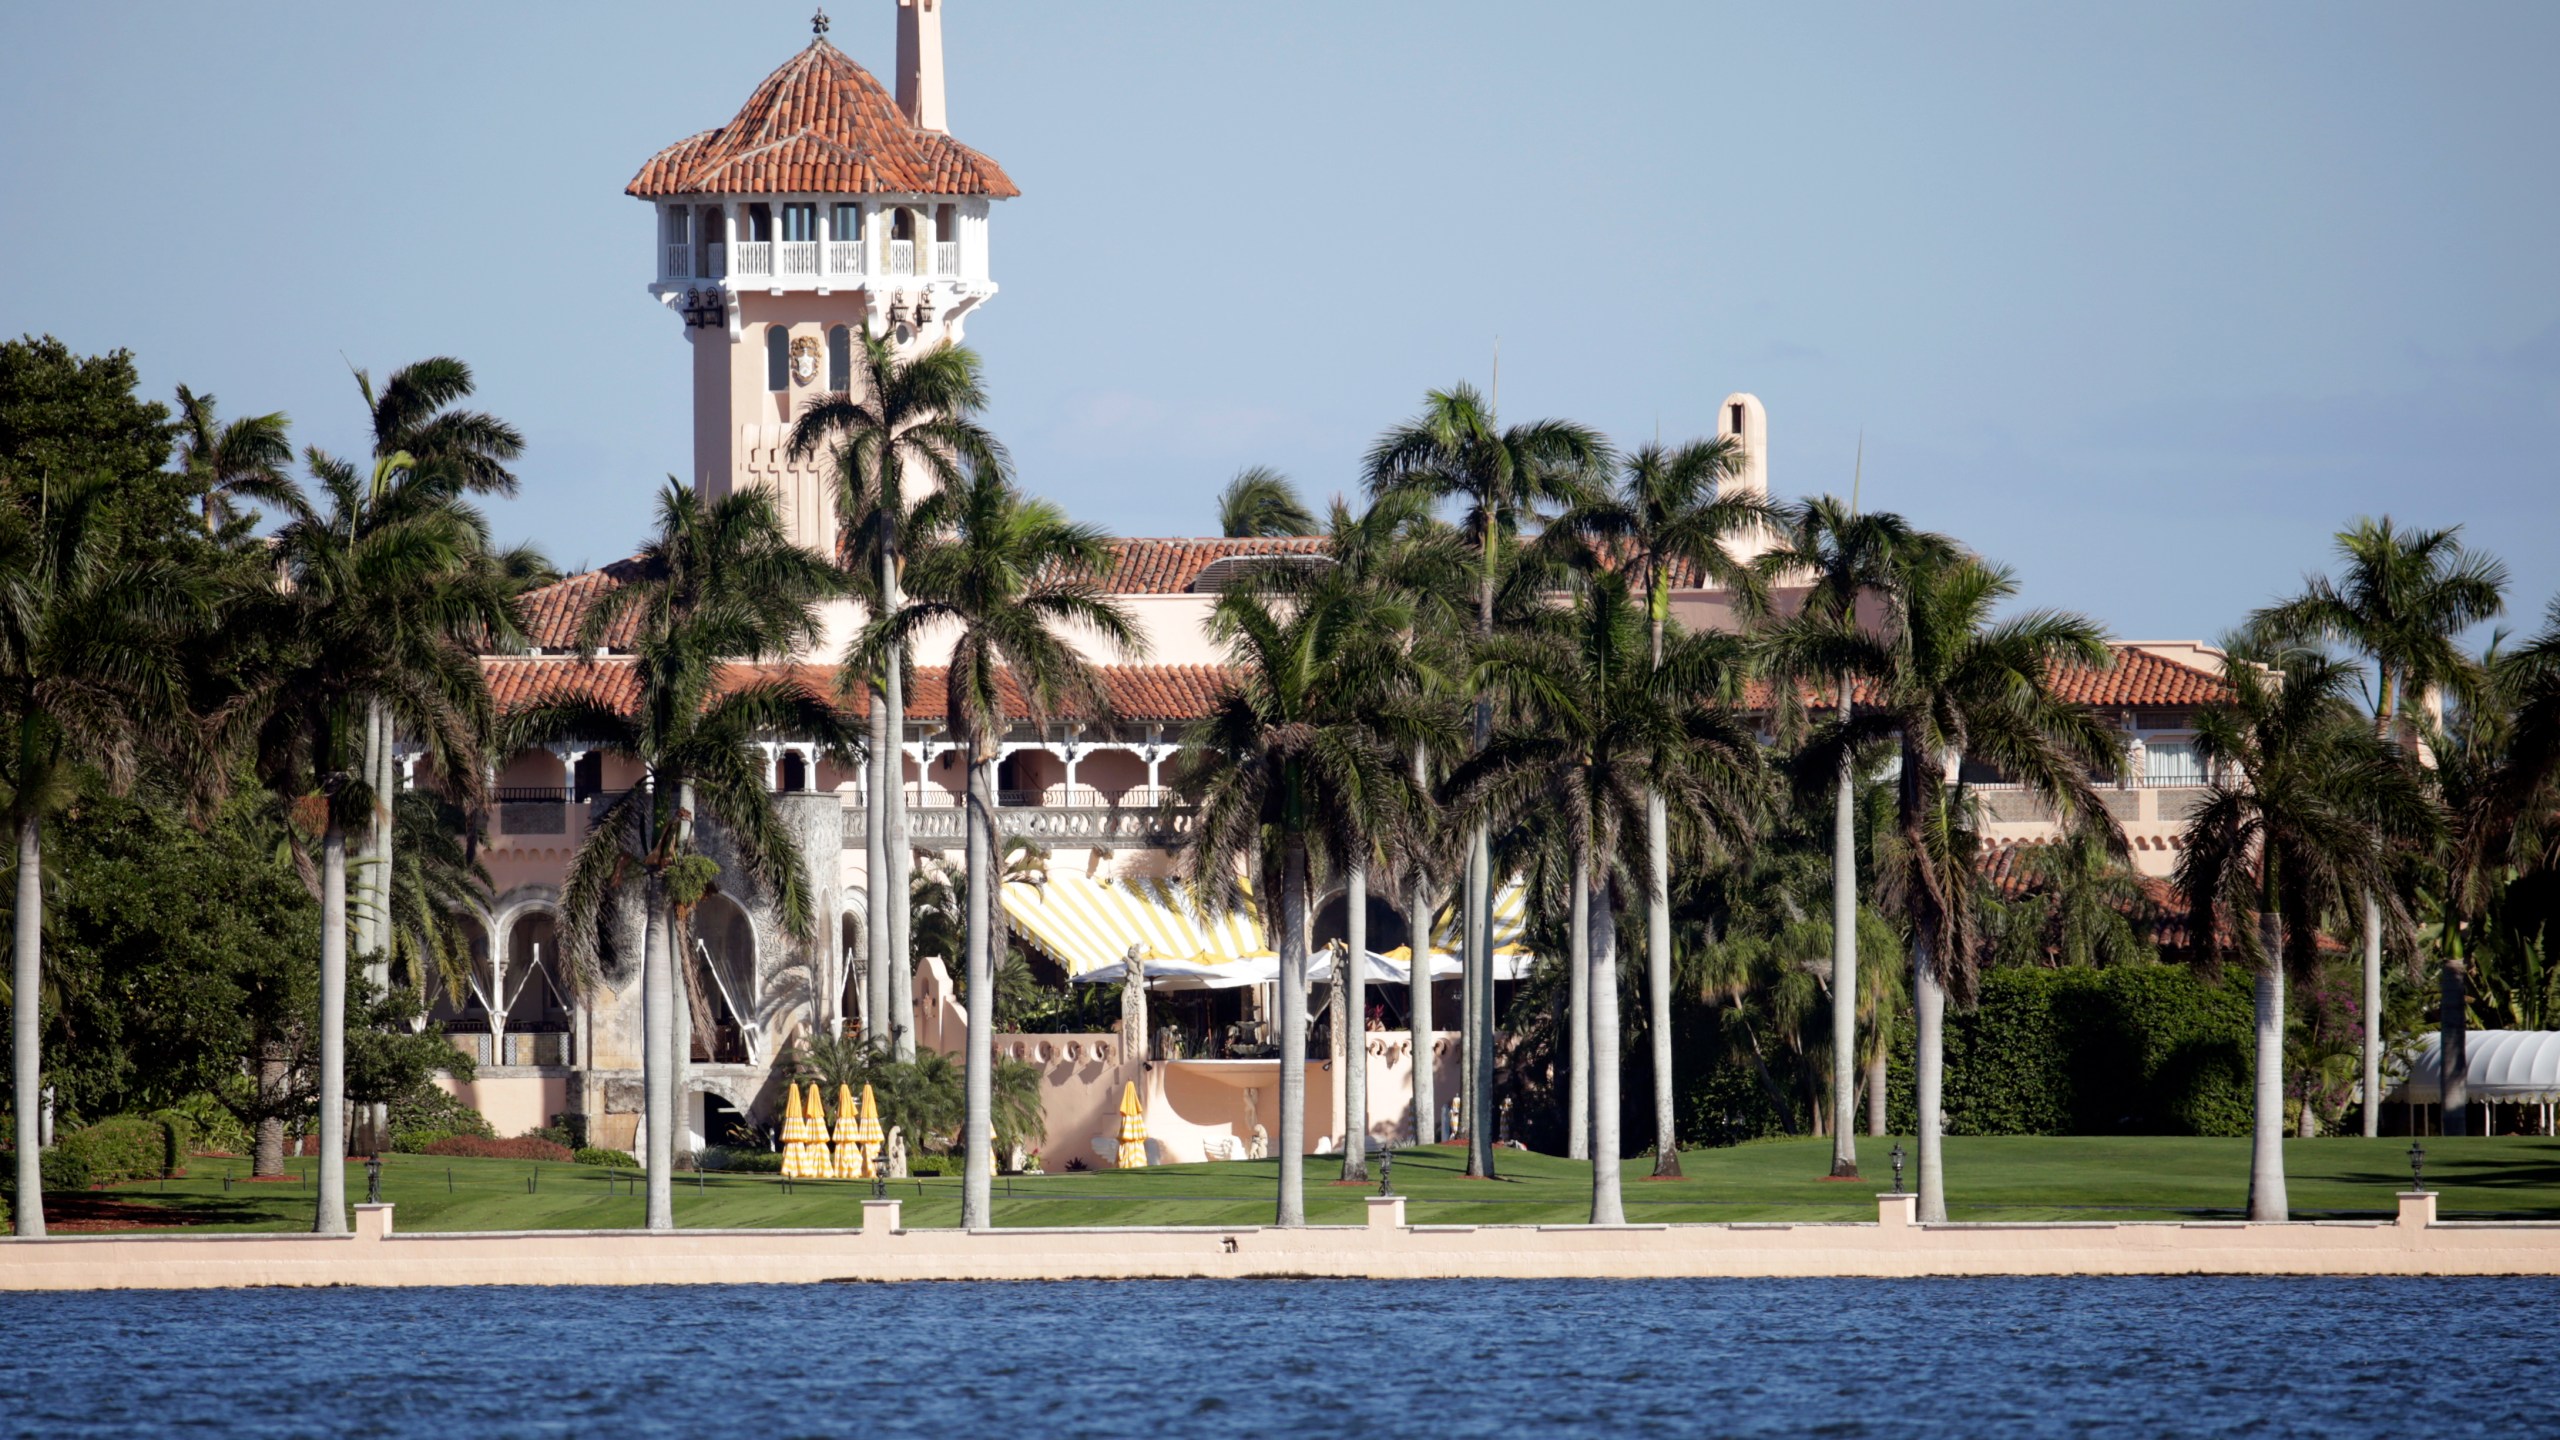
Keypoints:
(755, 257)
(902, 257)
(946, 257)
(844, 257)
(800, 257)
(715, 260)
(679, 258)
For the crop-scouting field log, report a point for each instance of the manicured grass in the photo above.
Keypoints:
(2010, 1178)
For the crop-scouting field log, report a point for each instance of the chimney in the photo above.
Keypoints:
(920, 63)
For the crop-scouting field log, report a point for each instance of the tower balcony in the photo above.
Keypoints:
(791, 245)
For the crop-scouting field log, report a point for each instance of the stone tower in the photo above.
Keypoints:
(1741, 416)
(824, 207)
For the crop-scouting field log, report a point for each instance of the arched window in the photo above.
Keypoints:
(777, 358)
(795, 773)
(839, 359)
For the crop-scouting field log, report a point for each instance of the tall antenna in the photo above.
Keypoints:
(1858, 472)
(1497, 375)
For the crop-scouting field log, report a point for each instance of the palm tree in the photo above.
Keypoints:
(2304, 799)
(1508, 479)
(1669, 515)
(451, 453)
(244, 460)
(1844, 558)
(1260, 503)
(717, 583)
(1292, 783)
(1012, 576)
(2403, 598)
(1601, 728)
(89, 671)
(906, 419)
(378, 601)
(1955, 686)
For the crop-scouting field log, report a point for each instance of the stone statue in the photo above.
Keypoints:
(1260, 1149)
(1133, 1007)
(893, 1155)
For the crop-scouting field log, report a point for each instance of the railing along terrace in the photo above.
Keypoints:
(943, 827)
(800, 257)
(946, 257)
(902, 257)
(755, 257)
(844, 257)
(715, 260)
(679, 258)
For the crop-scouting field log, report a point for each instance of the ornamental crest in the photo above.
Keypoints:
(804, 360)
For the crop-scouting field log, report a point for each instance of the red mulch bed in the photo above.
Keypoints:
(97, 1210)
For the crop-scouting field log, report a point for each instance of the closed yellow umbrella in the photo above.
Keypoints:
(795, 1132)
(1133, 1129)
(868, 1132)
(851, 1164)
(822, 1156)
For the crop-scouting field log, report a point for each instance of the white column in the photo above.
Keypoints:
(772, 765)
(1074, 754)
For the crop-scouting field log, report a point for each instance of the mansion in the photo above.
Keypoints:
(830, 203)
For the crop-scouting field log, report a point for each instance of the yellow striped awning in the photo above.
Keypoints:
(1088, 924)
(1510, 921)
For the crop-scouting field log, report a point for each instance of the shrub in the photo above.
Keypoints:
(427, 1110)
(935, 1164)
(523, 1147)
(2129, 1050)
(557, 1134)
(752, 1162)
(213, 1129)
(609, 1159)
(125, 1147)
(64, 1169)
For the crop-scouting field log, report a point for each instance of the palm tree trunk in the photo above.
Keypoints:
(377, 1115)
(1577, 1129)
(1292, 1209)
(1607, 1206)
(2266, 1146)
(1875, 1092)
(2372, 1015)
(875, 879)
(1417, 924)
(977, 1132)
(1844, 967)
(2453, 1046)
(1929, 1013)
(1657, 968)
(332, 1216)
(1480, 1027)
(658, 1057)
(26, 979)
(901, 855)
(1354, 986)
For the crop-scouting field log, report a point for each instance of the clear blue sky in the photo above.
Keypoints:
(2145, 300)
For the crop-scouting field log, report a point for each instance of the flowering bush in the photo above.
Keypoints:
(523, 1147)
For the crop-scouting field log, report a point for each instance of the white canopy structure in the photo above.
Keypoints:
(2505, 1067)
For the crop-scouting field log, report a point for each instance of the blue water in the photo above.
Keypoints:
(1412, 1361)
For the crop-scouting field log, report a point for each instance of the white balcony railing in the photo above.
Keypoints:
(799, 257)
(902, 257)
(715, 260)
(679, 258)
(946, 257)
(844, 257)
(755, 257)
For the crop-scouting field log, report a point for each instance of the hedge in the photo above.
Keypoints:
(120, 1148)
(2130, 1050)
(523, 1147)
(609, 1159)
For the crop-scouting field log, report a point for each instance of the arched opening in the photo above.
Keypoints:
(839, 359)
(777, 358)
(854, 1004)
(1386, 923)
(793, 776)
(534, 993)
(721, 982)
(902, 241)
(713, 228)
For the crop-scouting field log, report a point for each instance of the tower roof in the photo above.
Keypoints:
(820, 125)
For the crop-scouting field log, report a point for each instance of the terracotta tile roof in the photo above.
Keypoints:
(553, 613)
(2159, 916)
(2138, 680)
(822, 125)
(1144, 693)
(1169, 566)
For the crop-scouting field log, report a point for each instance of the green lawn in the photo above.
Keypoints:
(2076, 1178)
